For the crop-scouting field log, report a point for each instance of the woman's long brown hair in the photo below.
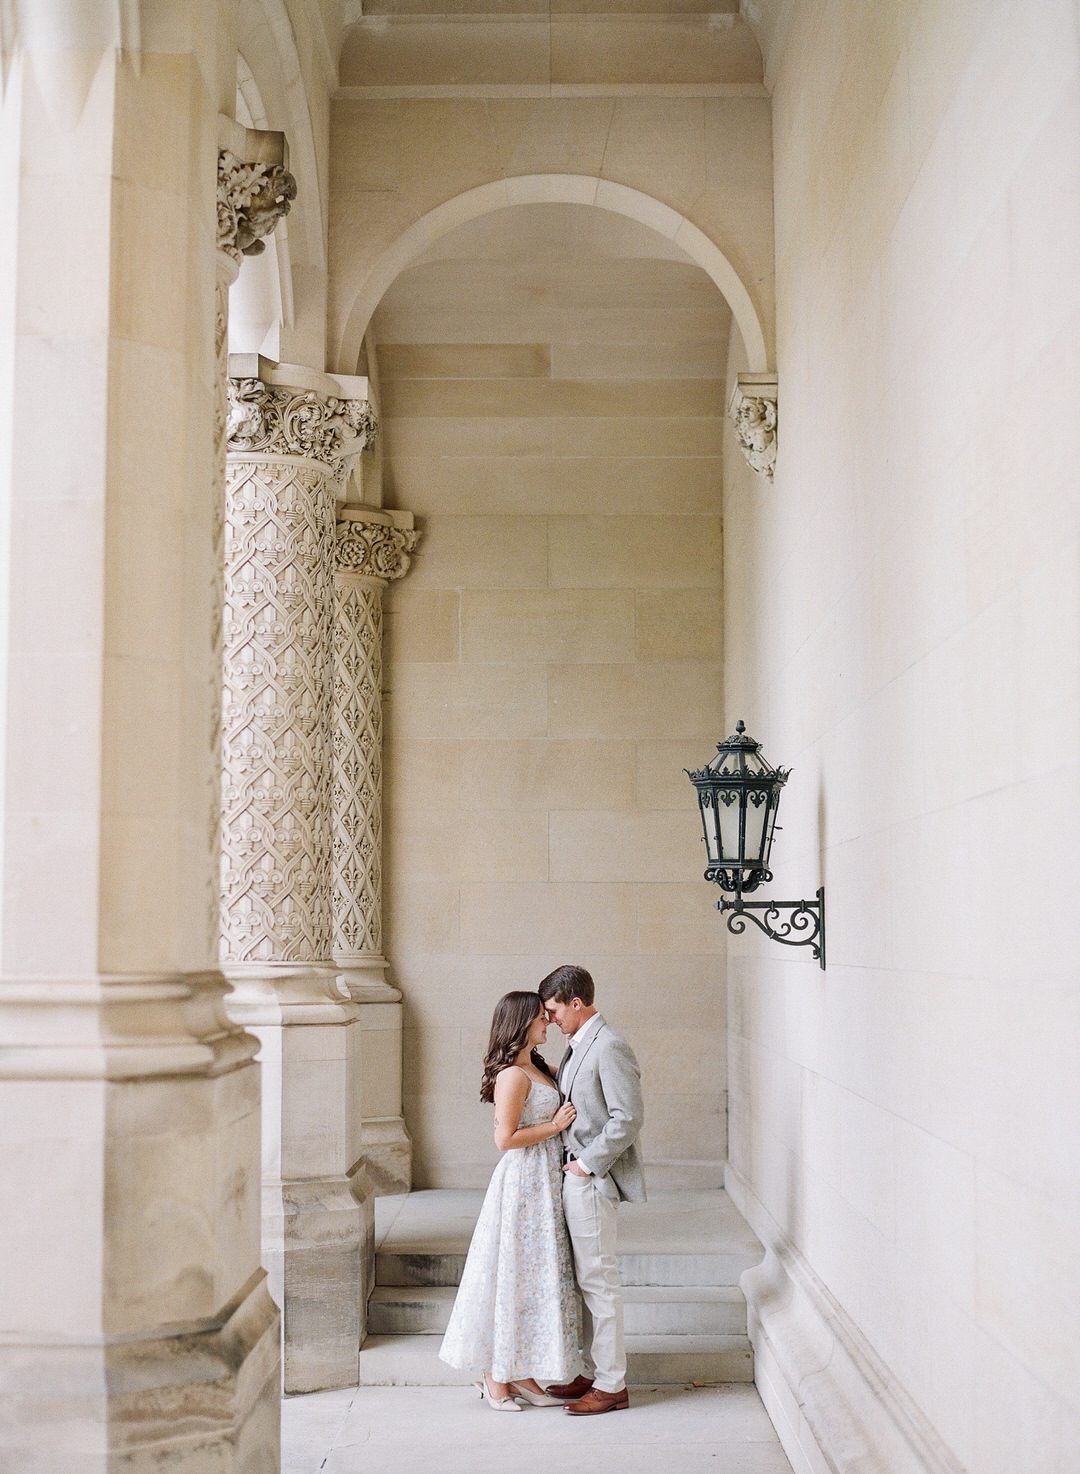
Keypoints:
(510, 1024)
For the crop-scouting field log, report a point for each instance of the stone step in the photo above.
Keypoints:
(669, 1310)
(653, 1361)
(418, 1268)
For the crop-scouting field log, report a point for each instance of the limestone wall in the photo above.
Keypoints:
(902, 623)
(552, 400)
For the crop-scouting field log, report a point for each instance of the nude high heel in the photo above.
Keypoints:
(535, 1399)
(497, 1404)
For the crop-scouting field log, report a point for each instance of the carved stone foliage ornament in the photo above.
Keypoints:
(251, 199)
(753, 411)
(269, 420)
(374, 550)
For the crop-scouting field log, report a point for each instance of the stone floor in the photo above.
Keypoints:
(448, 1430)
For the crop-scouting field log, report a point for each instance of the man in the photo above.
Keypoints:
(600, 1076)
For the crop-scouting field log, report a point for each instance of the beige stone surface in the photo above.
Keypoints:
(649, 552)
(679, 624)
(546, 775)
(427, 628)
(590, 846)
(469, 552)
(547, 625)
(467, 701)
(564, 465)
(649, 700)
(542, 484)
(919, 226)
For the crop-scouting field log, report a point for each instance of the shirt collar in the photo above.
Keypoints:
(586, 1031)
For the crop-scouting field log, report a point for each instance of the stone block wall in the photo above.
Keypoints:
(552, 401)
(902, 620)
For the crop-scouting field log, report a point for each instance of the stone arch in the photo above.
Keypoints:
(573, 189)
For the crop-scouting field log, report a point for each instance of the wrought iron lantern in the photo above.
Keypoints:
(738, 797)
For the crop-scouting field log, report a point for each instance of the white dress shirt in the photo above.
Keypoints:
(583, 1035)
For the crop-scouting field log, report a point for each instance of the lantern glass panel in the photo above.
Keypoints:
(728, 805)
(757, 811)
(708, 819)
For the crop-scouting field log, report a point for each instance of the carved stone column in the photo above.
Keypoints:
(291, 435)
(373, 548)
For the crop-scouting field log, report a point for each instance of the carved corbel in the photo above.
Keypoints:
(254, 188)
(752, 408)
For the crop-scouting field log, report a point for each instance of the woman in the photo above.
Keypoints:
(517, 1317)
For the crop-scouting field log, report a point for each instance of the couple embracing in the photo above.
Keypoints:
(545, 1238)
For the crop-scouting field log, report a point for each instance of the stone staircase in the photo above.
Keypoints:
(681, 1255)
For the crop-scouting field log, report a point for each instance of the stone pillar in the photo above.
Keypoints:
(136, 1327)
(373, 547)
(291, 435)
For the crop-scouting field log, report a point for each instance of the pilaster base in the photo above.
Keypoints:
(388, 1154)
(835, 1405)
(319, 1247)
(204, 1400)
(385, 1141)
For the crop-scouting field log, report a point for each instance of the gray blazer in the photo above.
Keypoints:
(603, 1082)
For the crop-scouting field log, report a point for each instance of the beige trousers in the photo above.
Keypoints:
(590, 1205)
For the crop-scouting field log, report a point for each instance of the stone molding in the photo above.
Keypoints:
(119, 1027)
(853, 1416)
(752, 408)
(251, 199)
(275, 995)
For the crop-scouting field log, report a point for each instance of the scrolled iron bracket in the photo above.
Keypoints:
(804, 927)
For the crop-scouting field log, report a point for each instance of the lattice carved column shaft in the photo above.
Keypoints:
(290, 436)
(373, 548)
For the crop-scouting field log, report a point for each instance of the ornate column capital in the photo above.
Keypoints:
(752, 408)
(254, 187)
(285, 410)
(374, 543)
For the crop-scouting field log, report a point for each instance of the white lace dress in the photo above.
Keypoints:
(517, 1312)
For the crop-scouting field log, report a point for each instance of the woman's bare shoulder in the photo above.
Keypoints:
(513, 1078)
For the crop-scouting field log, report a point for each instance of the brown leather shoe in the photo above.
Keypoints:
(570, 1390)
(596, 1401)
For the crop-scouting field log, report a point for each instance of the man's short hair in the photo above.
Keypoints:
(568, 982)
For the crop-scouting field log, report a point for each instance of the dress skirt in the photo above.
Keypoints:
(518, 1311)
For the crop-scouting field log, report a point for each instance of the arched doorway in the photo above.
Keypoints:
(552, 386)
